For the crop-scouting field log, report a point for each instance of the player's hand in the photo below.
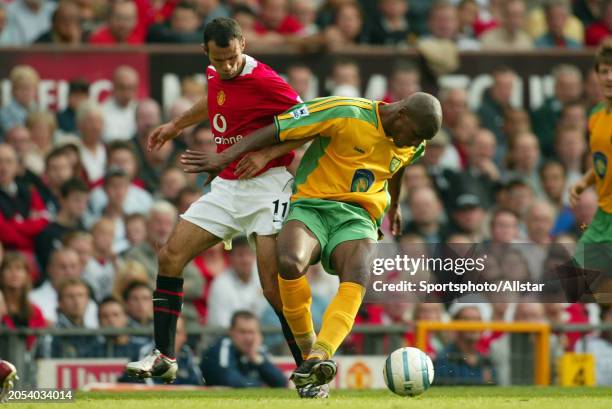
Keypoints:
(575, 191)
(197, 162)
(395, 220)
(251, 164)
(161, 135)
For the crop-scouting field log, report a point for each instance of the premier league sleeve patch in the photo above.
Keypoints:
(600, 164)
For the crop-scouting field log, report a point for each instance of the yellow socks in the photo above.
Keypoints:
(337, 320)
(297, 298)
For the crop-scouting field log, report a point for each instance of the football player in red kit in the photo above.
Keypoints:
(243, 95)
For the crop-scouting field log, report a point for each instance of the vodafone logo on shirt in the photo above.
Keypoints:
(220, 125)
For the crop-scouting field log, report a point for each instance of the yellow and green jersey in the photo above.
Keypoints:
(351, 158)
(600, 134)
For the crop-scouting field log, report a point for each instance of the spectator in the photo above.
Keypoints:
(58, 170)
(274, 16)
(82, 243)
(111, 314)
(183, 27)
(73, 203)
(523, 160)
(15, 286)
(148, 117)
(161, 220)
(138, 300)
(557, 16)
(121, 155)
(456, 155)
(454, 106)
(136, 229)
(116, 185)
(302, 80)
(552, 175)
(504, 227)
(601, 348)
(24, 88)
(467, 217)
(404, 81)
(510, 35)
(30, 161)
(305, 12)
(90, 123)
(240, 361)
(22, 210)
(73, 299)
(516, 120)
(26, 20)
(568, 88)
(64, 264)
(602, 28)
(120, 108)
(508, 370)
(100, 270)
(481, 174)
(78, 92)
(496, 100)
(42, 127)
(460, 363)
(129, 272)
(571, 148)
(121, 27)
(520, 196)
(346, 30)
(346, 78)
(391, 24)
(443, 24)
(236, 288)
(592, 90)
(172, 180)
(539, 222)
(188, 195)
(65, 26)
(210, 10)
(426, 211)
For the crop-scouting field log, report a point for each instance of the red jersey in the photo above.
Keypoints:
(244, 104)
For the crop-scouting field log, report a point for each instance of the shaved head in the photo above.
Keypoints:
(425, 112)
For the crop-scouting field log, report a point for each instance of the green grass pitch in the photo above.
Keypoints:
(435, 398)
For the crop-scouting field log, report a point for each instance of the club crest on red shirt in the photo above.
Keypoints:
(221, 98)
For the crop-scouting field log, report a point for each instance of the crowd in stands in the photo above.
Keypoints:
(312, 24)
(84, 206)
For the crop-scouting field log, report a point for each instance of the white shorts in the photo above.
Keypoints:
(251, 206)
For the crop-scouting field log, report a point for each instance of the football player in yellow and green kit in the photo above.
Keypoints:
(347, 180)
(594, 250)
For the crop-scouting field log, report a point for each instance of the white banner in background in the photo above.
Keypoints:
(354, 372)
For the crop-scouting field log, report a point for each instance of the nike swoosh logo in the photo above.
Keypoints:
(159, 299)
(210, 77)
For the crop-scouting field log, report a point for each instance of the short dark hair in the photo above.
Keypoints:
(108, 300)
(78, 86)
(55, 153)
(549, 163)
(243, 9)
(242, 314)
(71, 186)
(121, 146)
(186, 5)
(114, 172)
(426, 113)
(498, 212)
(604, 54)
(134, 285)
(222, 31)
(70, 282)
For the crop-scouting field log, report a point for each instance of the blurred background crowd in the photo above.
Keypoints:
(84, 206)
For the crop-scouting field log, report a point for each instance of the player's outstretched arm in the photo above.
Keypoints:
(168, 131)
(196, 162)
(252, 163)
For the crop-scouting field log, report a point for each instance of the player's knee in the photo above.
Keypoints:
(290, 266)
(171, 262)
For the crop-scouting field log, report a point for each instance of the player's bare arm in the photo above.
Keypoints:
(252, 163)
(170, 130)
(394, 213)
(196, 162)
(583, 184)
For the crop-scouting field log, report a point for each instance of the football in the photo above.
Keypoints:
(408, 372)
